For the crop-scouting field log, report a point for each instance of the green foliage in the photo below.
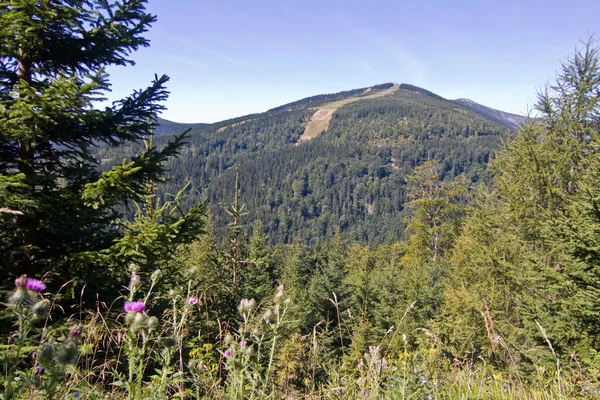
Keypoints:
(488, 296)
(60, 209)
(350, 181)
(517, 266)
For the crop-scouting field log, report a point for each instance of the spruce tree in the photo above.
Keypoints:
(525, 258)
(58, 207)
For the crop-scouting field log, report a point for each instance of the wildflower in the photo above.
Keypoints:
(268, 315)
(35, 285)
(246, 305)
(21, 281)
(76, 395)
(40, 370)
(424, 382)
(21, 296)
(192, 300)
(279, 293)
(227, 353)
(243, 343)
(134, 306)
(75, 333)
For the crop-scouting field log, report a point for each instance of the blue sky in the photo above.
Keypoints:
(230, 58)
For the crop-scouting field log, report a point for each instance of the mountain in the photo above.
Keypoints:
(330, 164)
(508, 119)
(164, 126)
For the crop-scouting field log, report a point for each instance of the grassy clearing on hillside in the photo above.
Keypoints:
(319, 122)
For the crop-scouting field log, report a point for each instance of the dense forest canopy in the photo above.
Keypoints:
(416, 248)
(351, 180)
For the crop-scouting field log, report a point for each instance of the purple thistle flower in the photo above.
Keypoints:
(227, 353)
(76, 331)
(135, 306)
(21, 281)
(192, 300)
(35, 285)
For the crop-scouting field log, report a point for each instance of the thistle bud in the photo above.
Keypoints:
(20, 298)
(268, 316)
(193, 272)
(170, 341)
(75, 333)
(246, 305)
(135, 281)
(129, 317)
(134, 268)
(279, 294)
(152, 322)
(67, 353)
(46, 353)
(155, 275)
(228, 339)
(139, 321)
(40, 309)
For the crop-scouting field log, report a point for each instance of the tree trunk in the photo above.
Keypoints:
(30, 223)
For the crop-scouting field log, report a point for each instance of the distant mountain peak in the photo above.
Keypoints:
(505, 118)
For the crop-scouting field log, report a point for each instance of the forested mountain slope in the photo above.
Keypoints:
(512, 120)
(352, 179)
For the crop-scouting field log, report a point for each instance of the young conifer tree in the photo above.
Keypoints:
(56, 207)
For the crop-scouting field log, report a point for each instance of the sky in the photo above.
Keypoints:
(232, 58)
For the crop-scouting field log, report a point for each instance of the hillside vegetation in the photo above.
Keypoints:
(350, 181)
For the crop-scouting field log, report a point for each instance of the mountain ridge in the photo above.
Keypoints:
(510, 119)
(352, 179)
(506, 118)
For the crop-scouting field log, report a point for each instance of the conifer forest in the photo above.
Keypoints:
(414, 248)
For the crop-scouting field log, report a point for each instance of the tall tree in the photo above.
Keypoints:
(526, 256)
(53, 56)
(437, 209)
